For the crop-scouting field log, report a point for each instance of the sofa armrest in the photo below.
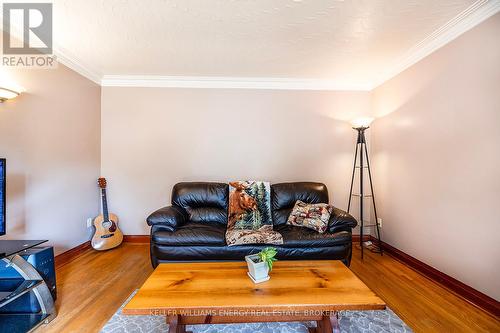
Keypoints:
(170, 216)
(341, 220)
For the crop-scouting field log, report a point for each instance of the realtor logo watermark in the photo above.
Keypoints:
(27, 35)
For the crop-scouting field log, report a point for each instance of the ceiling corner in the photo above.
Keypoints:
(475, 14)
(78, 66)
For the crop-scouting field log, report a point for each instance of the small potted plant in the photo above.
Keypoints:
(260, 264)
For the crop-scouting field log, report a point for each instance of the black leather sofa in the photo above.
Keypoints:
(193, 227)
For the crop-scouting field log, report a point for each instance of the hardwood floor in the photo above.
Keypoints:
(423, 304)
(92, 287)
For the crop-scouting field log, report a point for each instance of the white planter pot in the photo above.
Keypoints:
(257, 271)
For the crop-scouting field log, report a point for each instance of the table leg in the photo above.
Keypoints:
(334, 320)
(329, 324)
(174, 325)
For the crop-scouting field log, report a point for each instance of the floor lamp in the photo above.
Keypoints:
(361, 125)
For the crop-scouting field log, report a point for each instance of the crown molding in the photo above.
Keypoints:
(478, 12)
(226, 83)
(77, 65)
(63, 57)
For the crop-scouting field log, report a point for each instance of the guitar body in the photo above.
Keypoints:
(107, 235)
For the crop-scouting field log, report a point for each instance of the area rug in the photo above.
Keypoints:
(350, 321)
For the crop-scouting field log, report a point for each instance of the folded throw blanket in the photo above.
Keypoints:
(249, 219)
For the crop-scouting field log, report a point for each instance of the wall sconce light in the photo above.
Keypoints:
(8, 93)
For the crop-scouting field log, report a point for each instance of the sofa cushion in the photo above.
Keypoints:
(203, 202)
(312, 216)
(284, 196)
(208, 233)
(281, 215)
(299, 237)
(207, 214)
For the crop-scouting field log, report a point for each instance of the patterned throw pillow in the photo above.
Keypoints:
(313, 216)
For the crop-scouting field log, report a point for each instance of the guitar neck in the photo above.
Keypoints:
(104, 201)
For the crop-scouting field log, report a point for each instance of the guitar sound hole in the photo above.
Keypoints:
(107, 224)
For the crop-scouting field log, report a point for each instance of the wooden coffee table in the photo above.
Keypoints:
(222, 293)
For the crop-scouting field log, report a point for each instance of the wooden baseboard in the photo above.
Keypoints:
(70, 255)
(468, 293)
(136, 239)
(65, 257)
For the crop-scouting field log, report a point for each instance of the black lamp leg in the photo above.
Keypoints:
(373, 201)
(362, 143)
(359, 141)
(352, 178)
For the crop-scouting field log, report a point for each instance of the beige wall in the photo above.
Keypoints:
(153, 138)
(436, 155)
(50, 136)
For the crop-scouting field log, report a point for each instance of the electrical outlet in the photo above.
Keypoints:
(89, 222)
(379, 221)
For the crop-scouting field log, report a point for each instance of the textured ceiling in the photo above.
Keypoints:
(347, 41)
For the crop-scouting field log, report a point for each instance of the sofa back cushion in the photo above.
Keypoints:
(203, 201)
(284, 196)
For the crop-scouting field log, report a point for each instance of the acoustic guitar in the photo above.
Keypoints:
(106, 235)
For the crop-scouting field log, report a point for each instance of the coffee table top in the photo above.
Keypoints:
(294, 285)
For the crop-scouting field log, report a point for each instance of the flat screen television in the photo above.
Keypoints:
(2, 196)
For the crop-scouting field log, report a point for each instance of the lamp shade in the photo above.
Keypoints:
(363, 122)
